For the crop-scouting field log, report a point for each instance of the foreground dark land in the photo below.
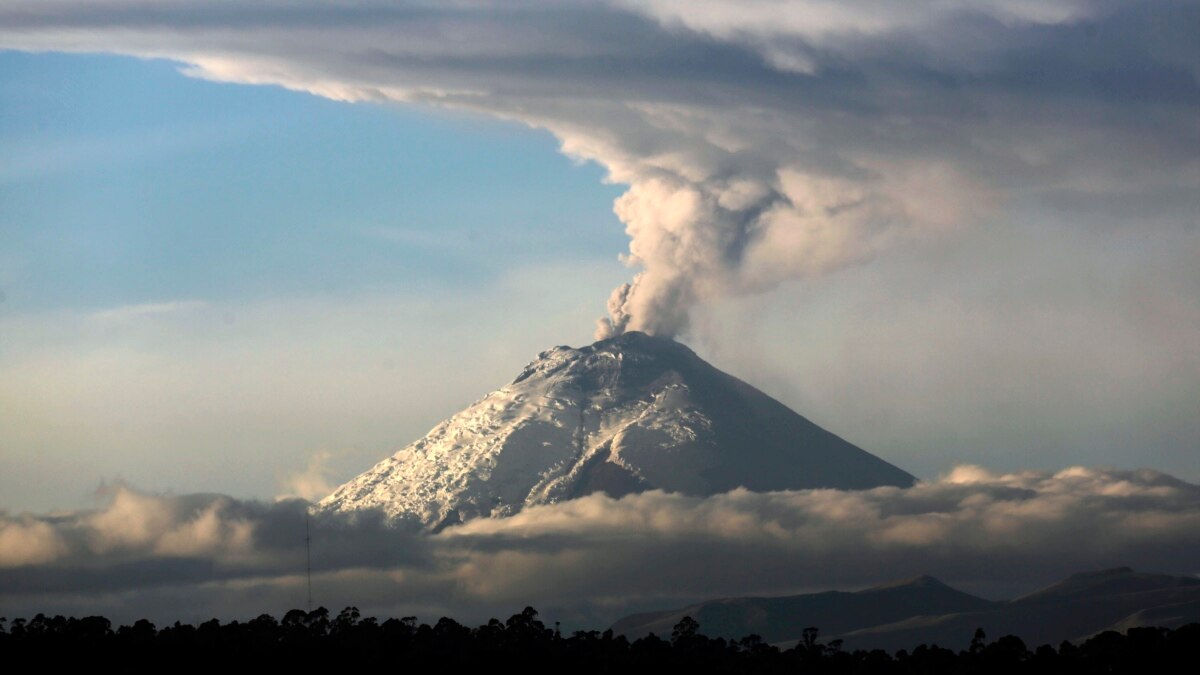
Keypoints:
(310, 641)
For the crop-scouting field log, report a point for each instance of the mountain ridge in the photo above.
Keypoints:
(783, 618)
(1111, 599)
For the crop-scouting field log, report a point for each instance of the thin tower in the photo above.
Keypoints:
(308, 559)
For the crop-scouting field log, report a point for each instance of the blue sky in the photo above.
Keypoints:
(126, 183)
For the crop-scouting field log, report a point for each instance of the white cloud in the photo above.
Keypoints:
(27, 541)
(597, 554)
(314, 482)
(824, 20)
(126, 312)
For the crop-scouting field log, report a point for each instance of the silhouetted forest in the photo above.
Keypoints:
(310, 641)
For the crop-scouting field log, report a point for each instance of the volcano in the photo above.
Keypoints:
(627, 414)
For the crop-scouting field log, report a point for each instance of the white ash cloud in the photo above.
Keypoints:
(596, 556)
(762, 142)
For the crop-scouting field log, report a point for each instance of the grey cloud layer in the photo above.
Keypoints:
(762, 141)
(175, 557)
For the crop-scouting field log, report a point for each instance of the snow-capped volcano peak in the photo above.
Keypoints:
(626, 414)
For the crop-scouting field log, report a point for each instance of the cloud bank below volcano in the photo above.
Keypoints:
(197, 556)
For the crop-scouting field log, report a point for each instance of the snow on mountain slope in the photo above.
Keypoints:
(623, 415)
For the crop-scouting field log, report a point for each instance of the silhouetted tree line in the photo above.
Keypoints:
(313, 641)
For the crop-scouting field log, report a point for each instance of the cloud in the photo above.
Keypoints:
(315, 482)
(763, 141)
(971, 526)
(27, 541)
(128, 312)
(598, 556)
(146, 525)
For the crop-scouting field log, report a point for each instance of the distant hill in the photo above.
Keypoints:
(1079, 606)
(784, 618)
(924, 610)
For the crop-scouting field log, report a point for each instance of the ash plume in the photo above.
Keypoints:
(762, 142)
(702, 239)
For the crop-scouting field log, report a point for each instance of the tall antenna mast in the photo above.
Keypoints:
(308, 559)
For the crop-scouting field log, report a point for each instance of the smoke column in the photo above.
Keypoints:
(698, 241)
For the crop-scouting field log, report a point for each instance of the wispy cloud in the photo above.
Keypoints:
(314, 482)
(127, 312)
(421, 238)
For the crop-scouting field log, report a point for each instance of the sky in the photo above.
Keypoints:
(207, 283)
(251, 248)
